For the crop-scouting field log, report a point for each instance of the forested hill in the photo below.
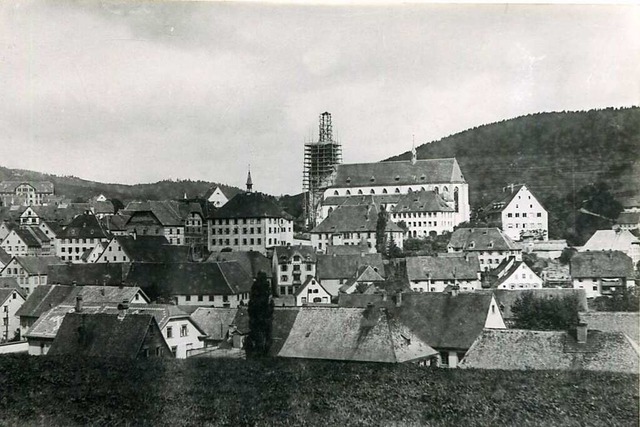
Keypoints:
(552, 153)
(77, 188)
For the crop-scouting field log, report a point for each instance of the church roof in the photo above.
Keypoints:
(404, 172)
(422, 201)
(359, 218)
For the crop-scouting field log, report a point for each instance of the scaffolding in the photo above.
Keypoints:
(320, 159)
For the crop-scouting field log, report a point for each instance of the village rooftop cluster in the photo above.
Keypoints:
(172, 278)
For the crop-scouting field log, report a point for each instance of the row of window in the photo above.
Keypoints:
(236, 230)
(244, 221)
(524, 225)
(296, 278)
(225, 298)
(236, 242)
(524, 215)
(445, 189)
(296, 267)
(184, 331)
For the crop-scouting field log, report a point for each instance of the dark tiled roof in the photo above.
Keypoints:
(7, 292)
(628, 218)
(28, 238)
(103, 335)
(525, 349)
(378, 199)
(346, 266)
(209, 278)
(251, 261)
(105, 207)
(442, 268)
(40, 186)
(9, 283)
(85, 226)
(115, 222)
(601, 264)
(425, 171)
(55, 227)
(43, 298)
(251, 205)
(166, 211)
(502, 200)
(481, 239)
(360, 300)
(359, 218)
(39, 234)
(152, 249)
(627, 323)
(348, 249)
(87, 274)
(353, 334)
(422, 201)
(104, 295)
(507, 297)
(5, 258)
(215, 321)
(284, 253)
(38, 264)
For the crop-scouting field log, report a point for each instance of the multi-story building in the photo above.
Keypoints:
(423, 213)
(30, 272)
(519, 214)
(601, 273)
(353, 225)
(81, 235)
(157, 218)
(614, 240)
(26, 241)
(512, 275)
(490, 245)
(25, 193)
(292, 266)
(249, 222)
(11, 299)
(437, 273)
(442, 176)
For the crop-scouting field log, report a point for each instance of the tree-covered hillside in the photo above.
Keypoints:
(553, 153)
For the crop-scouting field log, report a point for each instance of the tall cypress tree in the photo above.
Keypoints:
(381, 226)
(260, 317)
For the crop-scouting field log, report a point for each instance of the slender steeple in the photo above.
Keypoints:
(414, 153)
(249, 181)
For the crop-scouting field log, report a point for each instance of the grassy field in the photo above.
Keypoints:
(63, 391)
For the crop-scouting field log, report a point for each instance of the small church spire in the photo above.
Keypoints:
(414, 153)
(249, 181)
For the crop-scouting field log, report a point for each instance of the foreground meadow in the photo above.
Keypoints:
(66, 391)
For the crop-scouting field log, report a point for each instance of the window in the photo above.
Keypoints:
(174, 350)
(184, 331)
(283, 278)
(539, 214)
(187, 298)
(200, 297)
(169, 332)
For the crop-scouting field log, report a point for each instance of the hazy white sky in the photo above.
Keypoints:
(128, 93)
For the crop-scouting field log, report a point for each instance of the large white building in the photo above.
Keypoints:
(519, 214)
(442, 176)
(491, 245)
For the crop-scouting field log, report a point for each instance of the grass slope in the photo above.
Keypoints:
(550, 152)
(66, 391)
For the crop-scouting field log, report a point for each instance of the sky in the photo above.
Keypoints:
(123, 92)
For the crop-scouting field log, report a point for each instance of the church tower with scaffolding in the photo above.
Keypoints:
(320, 159)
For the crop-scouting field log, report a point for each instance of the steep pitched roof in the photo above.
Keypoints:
(166, 211)
(506, 269)
(358, 218)
(163, 313)
(251, 261)
(601, 264)
(215, 321)
(481, 239)
(442, 268)
(85, 226)
(6, 293)
(306, 283)
(9, 283)
(352, 334)
(348, 249)
(525, 349)
(610, 240)
(5, 258)
(507, 297)
(38, 264)
(43, 298)
(28, 238)
(102, 335)
(104, 295)
(503, 200)
(284, 254)
(251, 205)
(425, 171)
(422, 201)
(346, 266)
(209, 278)
(627, 323)
(366, 199)
(87, 274)
(115, 222)
(40, 186)
(151, 249)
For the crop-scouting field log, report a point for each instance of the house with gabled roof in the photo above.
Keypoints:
(5, 258)
(156, 218)
(513, 274)
(252, 262)
(195, 223)
(42, 299)
(368, 334)
(96, 274)
(136, 248)
(436, 273)
(489, 244)
(110, 336)
(335, 271)
(331, 203)
(30, 271)
(209, 284)
(442, 176)
(222, 325)
(424, 213)
(82, 234)
(627, 323)
(11, 299)
(614, 240)
(582, 349)
(218, 195)
(367, 279)
(249, 221)
(601, 273)
(26, 241)
(5, 228)
(292, 266)
(519, 214)
(25, 193)
(312, 292)
(353, 225)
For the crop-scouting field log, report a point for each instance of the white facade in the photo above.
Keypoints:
(227, 301)
(320, 241)
(421, 224)
(598, 286)
(181, 336)
(522, 278)
(217, 198)
(72, 249)
(15, 246)
(312, 292)
(113, 253)
(440, 285)
(524, 214)
(10, 323)
(249, 234)
(27, 282)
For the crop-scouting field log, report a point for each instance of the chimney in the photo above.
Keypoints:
(399, 299)
(122, 309)
(102, 291)
(581, 333)
(134, 234)
(79, 304)
(454, 290)
(74, 283)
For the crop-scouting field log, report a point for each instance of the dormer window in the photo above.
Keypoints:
(348, 179)
(372, 179)
(422, 177)
(491, 244)
(472, 245)
(397, 178)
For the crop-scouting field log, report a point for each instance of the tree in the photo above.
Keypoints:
(566, 255)
(625, 299)
(260, 317)
(381, 227)
(544, 314)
